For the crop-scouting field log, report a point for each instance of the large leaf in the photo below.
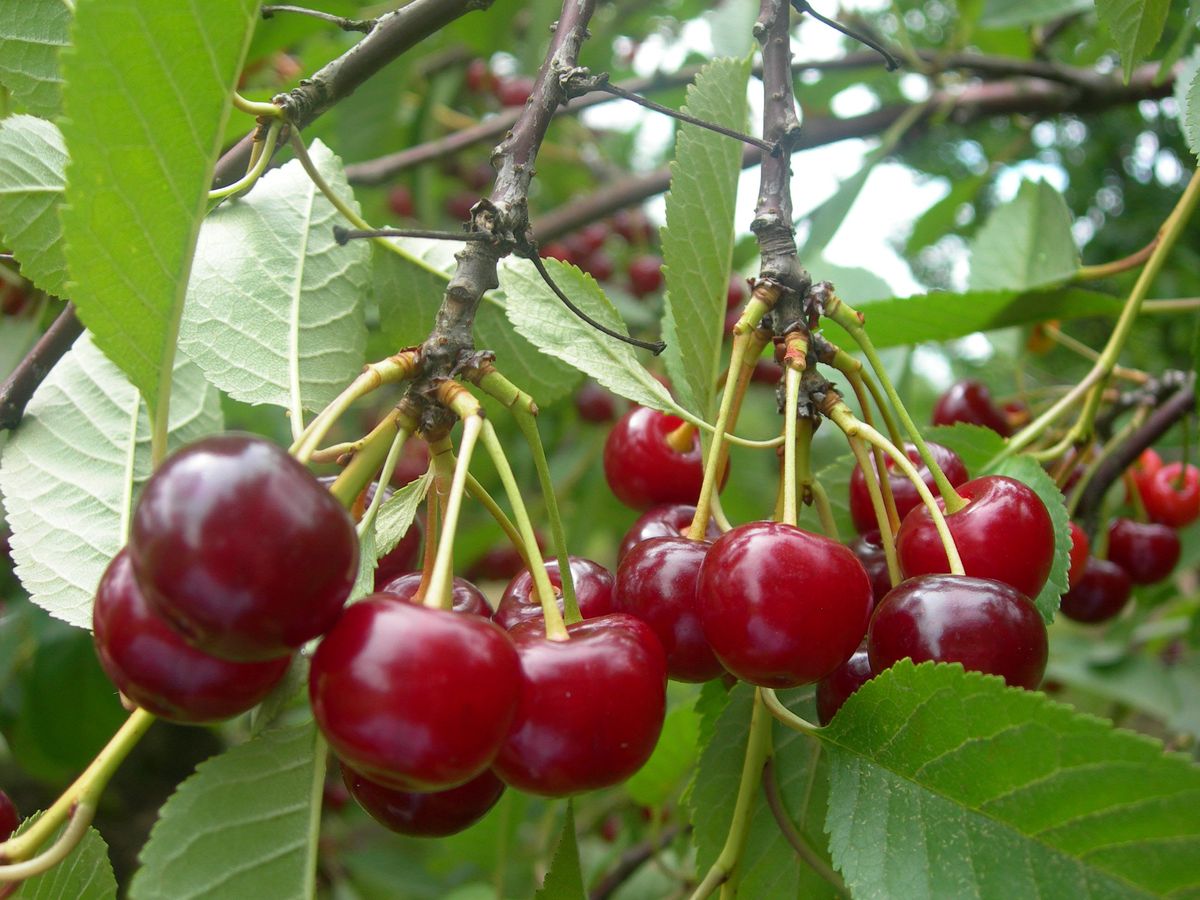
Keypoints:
(1136, 26)
(1019, 13)
(564, 881)
(1026, 243)
(674, 754)
(275, 307)
(32, 162)
(946, 783)
(1187, 95)
(697, 242)
(974, 444)
(135, 201)
(86, 873)
(70, 472)
(1028, 471)
(244, 825)
(32, 32)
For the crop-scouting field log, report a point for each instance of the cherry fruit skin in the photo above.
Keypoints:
(464, 596)
(591, 707)
(400, 201)
(656, 582)
(903, 490)
(593, 590)
(642, 469)
(781, 606)
(970, 401)
(868, 547)
(10, 819)
(664, 520)
(1167, 500)
(1080, 553)
(414, 698)
(1147, 552)
(1100, 594)
(513, 91)
(1004, 532)
(835, 688)
(986, 625)
(152, 665)
(645, 275)
(425, 814)
(595, 404)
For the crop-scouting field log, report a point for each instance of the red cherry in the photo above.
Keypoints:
(595, 404)
(400, 201)
(738, 293)
(1147, 552)
(903, 490)
(1147, 463)
(514, 91)
(970, 401)
(987, 626)
(1170, 499)
(14, 299)
(731, 319)
(152, 665)
(413, 463)
(434, 814)
(591, 707)
(414, 698)
(868, 547)
(1080, 547)
(10, 819)
(767, 371)
(402, 558)
(593, 590)
(664, 520)
(500, 563)
(642, 469)
(591, 237)
(242, 549)
(599, 265)
(835, 688)
(645, 275)
(478, 76)
(1004, 532)
(780, 606)
(465, 597)
(656, 582)
(633, 226)
(458, 207)
(557, 250)
(1100, 594)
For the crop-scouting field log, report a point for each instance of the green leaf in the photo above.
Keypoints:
(244, 825)
(31, 34)
(86, 418)
(1136, 26)
(32, 161)
(1026, 243)
(946, 783)
(1020, 13)
(940, 218)
(274, 309)
(86, 873)
(835, 479)
(564, 881)
(1187, 95)
(1196, 355)
(674, 754)
(975, 445)
(697, 242)
(396, 515)
(134, 203)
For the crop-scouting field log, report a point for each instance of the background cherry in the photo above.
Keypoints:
(664, 520)
(593, 589)
(970, 401)
(501, 562)
(645, 275)
(400, 201)
(595, 404)
(642, 469)
(1080, 550)
(1100, 594)
(10, 819)
(1171, 494)
(513, 91)
(868, 547)
(465, 597)
(835, 688)
(432, 814)
(1147, 552)
(903, 490)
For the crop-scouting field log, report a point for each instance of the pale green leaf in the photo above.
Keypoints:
(397, 513)
(974, 444)
(70, 472)
(32, 162)
(1135, 25)
(1029, 472)
(1187, 95)
(147, 95)
(564, 881)
(86, 873)
(32, 32)
(275, 309)
(368, 562)
(946, 783)
(244, 825)
(697, 242)
(1020, 13)
(1026, 243)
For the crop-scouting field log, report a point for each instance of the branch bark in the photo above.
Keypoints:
(33, 369)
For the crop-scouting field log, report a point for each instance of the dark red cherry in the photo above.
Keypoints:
(465, 597)
(513, 91)
(970, 401)
(593, 590)
(986, 625)
(767, 371)
(645, 275)
(414, 698)
(557, 250)
(1004, 532)
(591, 707)
(632, 225)
(459, 206)
(10, 819)
(868, 547)
(242, 548)
(1100, 593)
(478, 76)
(595, 404)
(402, 558)
(599, 265)
(1080, 549)
(1147, 552)
(781, 606)
(590, 238)
(642, 469)
(400, 201)
(1171, 494)
(500, 563)
(903, 490)
(737, 294)
(656, 582)
(835, 688)
(433, 814)
(152, 665)
(664, 520)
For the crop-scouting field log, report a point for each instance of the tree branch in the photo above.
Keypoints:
(632, 860)
(32, 370)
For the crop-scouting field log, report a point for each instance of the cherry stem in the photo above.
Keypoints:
(1116, 267)
(793, 835)
(1185, 455)
(1110, 449)
(440, 593)
(776, 708)
(385, 475)
(856, 372)
(479, 492)
(256, 170)
(256, 108)
(77, 826)
(825, 511)
(1060, 337)
(366, 463)
(791, 389)
(680, 439)
(441, 462)
(880, 464)
(886, 534)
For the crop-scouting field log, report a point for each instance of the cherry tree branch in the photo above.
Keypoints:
(33, 369)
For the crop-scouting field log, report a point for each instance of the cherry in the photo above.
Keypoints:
(514, 91)
(664, 520)
(1100, 594)
(400, 201)
(465, 597)
(1147, 552)
(767, 371)
(970, 401)
(152, 665)
(781, 606)
(656, 582)
(402, 558)
(645, 275)
(434, 814)
(590, 238)
(593, 590)
(632, 225)
(1080, 548)
(595, 404)
(500, 563)
(478, 76)
(868, 547)
(10, 819)
(986, 625)
(599, 265)
(1004, 532)
(835, 688)
(1171, 494)
(478, 176)
(413, 697)
(242, 548)
(737, 294)
(459, 206)
(642, 469)
(412, 464)
(591, 708)
(903, 490)
(14, 300)
(557, 250)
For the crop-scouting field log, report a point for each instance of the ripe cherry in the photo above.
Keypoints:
(242, 548)
(590, 238)
(1171, 495)
(868, 547)
(1100, 594)
(903, 490)
(645, 275)
(400, 201)
(780, 606)
(557, 250)
(599, 265)
(10, 819)
(970, 401)
(1080, 549)
(767, 371)
(414, 698)
(656, 582)
(434, 814)
(152, 665)
(465, 597)
(1147, 552)
(1004, 532)
(514, 91)
(459, 206)
(643, 469)
(591, 707)
(595, 404)
(593, 590)
(737, 294)
(835, 688)
(632, 225)
(478, 76)
(664, 520)
(986, 625)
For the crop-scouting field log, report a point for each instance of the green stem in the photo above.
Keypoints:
(480, 494)
(256, 108)
(370, 457)
(881, 469)
(791, 388)
(441, 583)
(247, 181)
(776, 708)
(794, 836)
(385, 475)
(77, 826)
(886, 536)
(824, 511)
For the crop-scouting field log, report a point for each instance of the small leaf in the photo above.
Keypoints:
(1187, 95)
(564, 881)
(1026, 243)
(1021, 13)
(396, 515)
(32, 161)
(86, 873)
(975, 445)
(244, 825)
(32, 32)
(1136, 26)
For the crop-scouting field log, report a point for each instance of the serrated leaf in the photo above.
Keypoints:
(975, 445)
(244, 825)
(1026, 243)
(274, 310)
(134, 205)
(86, 873)
(697, 242)
(396, 515)
(1021, 13)
(70, 472)
(656, 781)
(32, 163)
(32, 32)
(1187, 95)
(946, 783)
(564, 881)
(1136, 26)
